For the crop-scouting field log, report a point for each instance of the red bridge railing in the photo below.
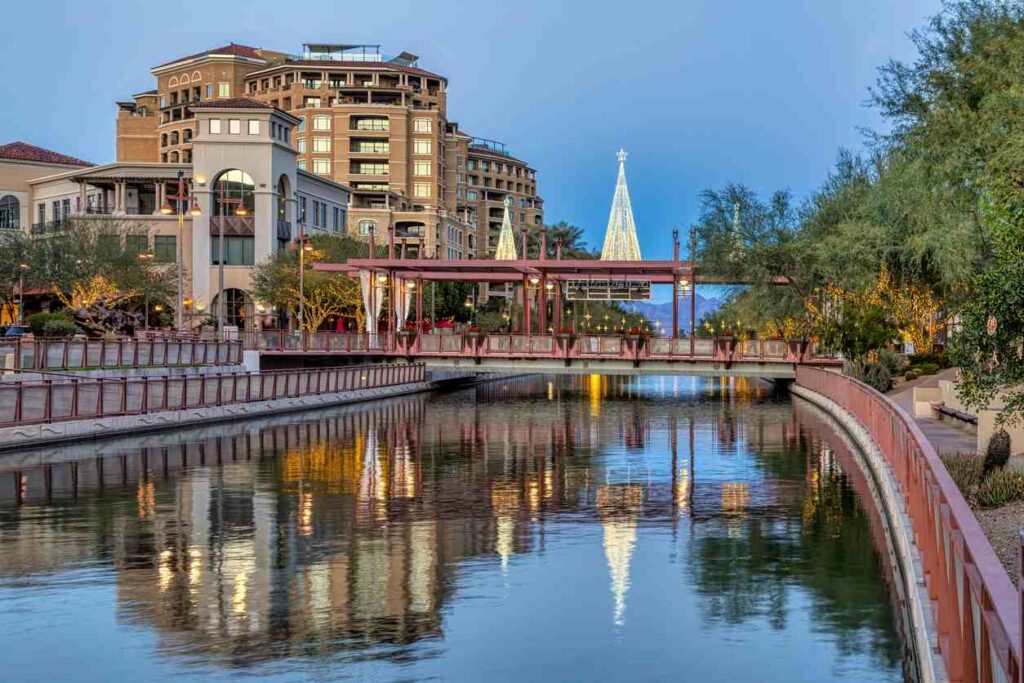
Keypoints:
(59, 354)
(977, 609)
(58, 400)
(496, 345)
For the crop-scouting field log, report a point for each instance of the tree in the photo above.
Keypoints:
(13, 253)
(275, 282)
(97, 305)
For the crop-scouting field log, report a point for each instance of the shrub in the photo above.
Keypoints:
(926, 368)
(997, 454)
(875, 375)
(1001, 487)
(61, 328)
(965, 468)
(940, 359)
(911, 375)
(37, 322)
(891, 360)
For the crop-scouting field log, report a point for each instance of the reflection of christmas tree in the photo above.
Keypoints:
(620, 505)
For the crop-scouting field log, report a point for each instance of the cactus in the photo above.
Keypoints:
(998, 452)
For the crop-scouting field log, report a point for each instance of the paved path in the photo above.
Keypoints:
(943, 434)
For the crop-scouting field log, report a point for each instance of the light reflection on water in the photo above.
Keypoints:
(555, 527)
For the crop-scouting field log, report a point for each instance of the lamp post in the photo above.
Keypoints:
(223, 201)
(145, 257)
(22, 267)
(179, 209)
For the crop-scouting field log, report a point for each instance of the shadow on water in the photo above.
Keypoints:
(616, 527)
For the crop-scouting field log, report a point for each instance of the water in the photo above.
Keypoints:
(606, 528)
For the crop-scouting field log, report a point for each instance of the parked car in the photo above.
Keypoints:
(16, 331)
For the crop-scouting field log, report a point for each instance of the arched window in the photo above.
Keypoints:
(366, 225)
(10, 212)
(282, 198)
(174, 157)
(186, 135)
(230, 187)
(163, 139)
(238, 308)
(174, 138)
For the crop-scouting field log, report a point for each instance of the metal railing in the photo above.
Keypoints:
(47, 401)
(61, 354)
(567, 346)
(977, 610)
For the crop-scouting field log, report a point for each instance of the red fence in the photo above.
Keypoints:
(58, 354)
(45, 401)
(977, 610)
(475, 345)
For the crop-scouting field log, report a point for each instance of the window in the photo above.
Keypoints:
(234, 126)
(321, 166)
(321, 123)
(209, 91)
(163, 102)
(458, 161)
(236, 185)
(254, 127)
(316, 214)
(223, 89)
(421, 125)
(163, 139)
(238, 250)
(313, 102)
(10, 212)
(366, 226)
(371, 146)
(421, 147)
(321, 144)
(421, 189)
(370, 168)
(301, 164)
(300, 145)
(165, 248)
(186, 135)
(336, 219)
(421, 168)
(215, 126)
(472, 195)
(302, 124)
(370, 123)
(136, 244)
(471, 165)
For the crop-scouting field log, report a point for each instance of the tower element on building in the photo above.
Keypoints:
(620, 243)
(506, 250)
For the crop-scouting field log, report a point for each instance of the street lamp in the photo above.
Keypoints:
(22, 267)
(145, 257)
(223, 201)
(180, 199)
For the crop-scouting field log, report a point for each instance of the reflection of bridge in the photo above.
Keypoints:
(614, 354)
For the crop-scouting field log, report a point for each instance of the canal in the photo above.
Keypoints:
(545, 528)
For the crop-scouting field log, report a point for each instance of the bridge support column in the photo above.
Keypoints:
(675, 308)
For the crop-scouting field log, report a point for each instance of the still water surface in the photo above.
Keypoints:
(608, 528)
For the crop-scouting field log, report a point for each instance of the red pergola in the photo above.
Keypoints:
(539, 277)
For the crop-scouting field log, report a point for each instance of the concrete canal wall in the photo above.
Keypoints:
(922, 632)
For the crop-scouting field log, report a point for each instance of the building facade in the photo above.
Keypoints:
(377, 124)
(240, 156)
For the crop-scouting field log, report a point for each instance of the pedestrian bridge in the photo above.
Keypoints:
(565, 353)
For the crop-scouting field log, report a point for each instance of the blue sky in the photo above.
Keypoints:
(700, 92)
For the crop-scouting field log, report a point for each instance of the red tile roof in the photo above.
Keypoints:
(22, 151)
(229, 49)
(233, 103)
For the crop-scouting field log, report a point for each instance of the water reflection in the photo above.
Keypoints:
(367, 539)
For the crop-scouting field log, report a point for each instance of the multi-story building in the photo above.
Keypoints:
(240, 154)
(377, 124)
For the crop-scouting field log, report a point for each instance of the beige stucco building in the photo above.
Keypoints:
(241, 155)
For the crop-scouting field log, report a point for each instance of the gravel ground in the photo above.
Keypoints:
(1002, 526)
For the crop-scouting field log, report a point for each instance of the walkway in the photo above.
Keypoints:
(944, 436)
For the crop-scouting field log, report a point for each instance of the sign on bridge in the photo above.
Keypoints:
(607, 290)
